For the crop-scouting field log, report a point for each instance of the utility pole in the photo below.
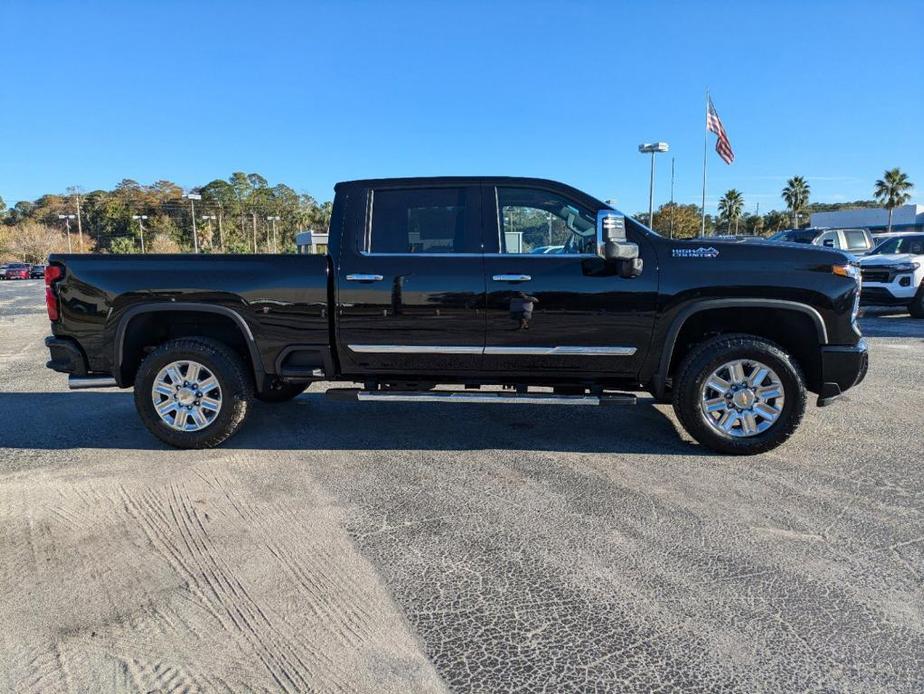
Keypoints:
(671, 233)
(67, 223)
(254, 216)
(274, 219)
(141, 218)
(221, 231)
(192, 211)
(76, 190)
(549, 215)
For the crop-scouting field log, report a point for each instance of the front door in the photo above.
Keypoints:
(411, 290)
(553, 306)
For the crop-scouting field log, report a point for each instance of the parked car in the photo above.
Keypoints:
(853, 241)
(419, 290)
(17, 271)
(37, 272)
(893, 274)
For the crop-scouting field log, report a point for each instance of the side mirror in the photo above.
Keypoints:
(828, 243)
(613, 246)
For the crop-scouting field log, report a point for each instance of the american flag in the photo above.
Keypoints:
(714, 124)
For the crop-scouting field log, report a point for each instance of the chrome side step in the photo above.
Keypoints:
(479, 397)
(84, 382)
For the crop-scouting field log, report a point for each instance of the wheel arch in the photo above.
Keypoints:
(684, 319)
(124, 373)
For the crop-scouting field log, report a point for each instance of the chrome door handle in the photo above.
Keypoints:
(512, 278)
(364, 278)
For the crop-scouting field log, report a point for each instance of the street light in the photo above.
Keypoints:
(274, 219)
(67, 222)
(652, 148)
(141, 218)
(192, 197)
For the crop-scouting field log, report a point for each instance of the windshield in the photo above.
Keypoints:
(795, 236)
(901, 244)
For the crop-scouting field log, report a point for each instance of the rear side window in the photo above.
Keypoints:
(426, 220)
(856, 240)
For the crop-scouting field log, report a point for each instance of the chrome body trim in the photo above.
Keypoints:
(360, 277)
(575, 351)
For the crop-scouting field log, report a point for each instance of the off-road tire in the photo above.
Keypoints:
(282, 391)
(699, 364)
(234, 379)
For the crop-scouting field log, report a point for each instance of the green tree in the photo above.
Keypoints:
(687, 220)
(796, 196)
(730, 206)
(892, 191)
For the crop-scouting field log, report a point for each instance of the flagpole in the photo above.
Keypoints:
(702, 228)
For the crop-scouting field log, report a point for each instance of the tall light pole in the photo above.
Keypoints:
(274, 219)
(209, 218)
(652, 148)
(192, 197)
(67, 223)
(671, 234)
(141, 218)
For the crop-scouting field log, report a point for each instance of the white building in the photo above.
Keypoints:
(311, 242)
(876, 219)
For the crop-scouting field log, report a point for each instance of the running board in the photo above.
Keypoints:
(480, 397)
(84, 382)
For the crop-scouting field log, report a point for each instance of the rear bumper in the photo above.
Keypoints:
(66, 356)
(842, 367)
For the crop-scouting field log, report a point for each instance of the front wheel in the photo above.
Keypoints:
(916, 308)
(193, 392)
(739, 395)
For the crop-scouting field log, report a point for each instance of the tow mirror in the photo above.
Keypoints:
(613, 246)
(828, 243)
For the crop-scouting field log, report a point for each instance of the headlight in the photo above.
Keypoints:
(906, 267)
(846, 271)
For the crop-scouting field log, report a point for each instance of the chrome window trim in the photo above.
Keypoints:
(558, 351)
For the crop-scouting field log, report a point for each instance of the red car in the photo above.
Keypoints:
(18, 271)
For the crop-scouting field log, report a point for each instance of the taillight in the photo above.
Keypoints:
(52, 274)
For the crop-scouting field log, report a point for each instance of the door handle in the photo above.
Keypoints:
(364, 278)
(511, 278)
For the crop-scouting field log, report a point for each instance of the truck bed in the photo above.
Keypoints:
(281, 298)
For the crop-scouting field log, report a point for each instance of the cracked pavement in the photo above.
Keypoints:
(359, 547)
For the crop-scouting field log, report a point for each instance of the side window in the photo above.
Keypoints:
(425, 220)
(856, 240)
(536, 221)
(829, 239)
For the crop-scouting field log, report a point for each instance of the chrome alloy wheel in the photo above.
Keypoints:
(186, 396)
(742, 398)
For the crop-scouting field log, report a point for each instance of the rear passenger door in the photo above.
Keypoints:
(410, 283)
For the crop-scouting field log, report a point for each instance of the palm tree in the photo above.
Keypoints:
(730, 207)
(796, 196)
(892, 191)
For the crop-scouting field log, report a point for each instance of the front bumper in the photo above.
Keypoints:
(842, 367)
(887, 295)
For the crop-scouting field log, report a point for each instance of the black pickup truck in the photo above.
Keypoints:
(436, 289)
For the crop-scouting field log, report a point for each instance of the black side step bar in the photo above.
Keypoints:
(479, 397)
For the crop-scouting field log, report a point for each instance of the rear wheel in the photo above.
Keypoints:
(193, 392)
(739, 394)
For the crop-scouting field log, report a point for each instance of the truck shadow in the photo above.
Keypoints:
(107, 420)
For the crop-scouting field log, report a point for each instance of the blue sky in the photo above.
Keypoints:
(312, 93)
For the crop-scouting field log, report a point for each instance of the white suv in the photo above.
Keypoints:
(893, 274)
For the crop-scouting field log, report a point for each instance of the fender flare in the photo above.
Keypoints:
(164, 306)
(667, 349)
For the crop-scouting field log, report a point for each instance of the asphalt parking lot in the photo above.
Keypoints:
(359, 547)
